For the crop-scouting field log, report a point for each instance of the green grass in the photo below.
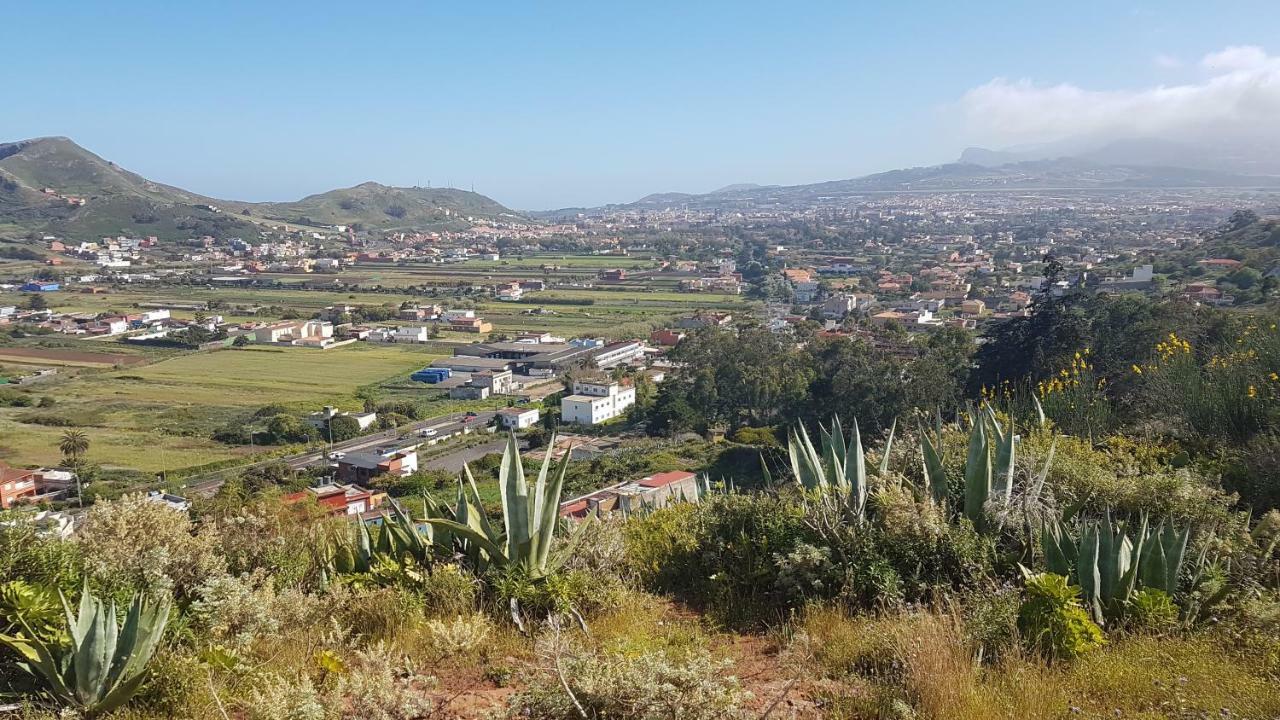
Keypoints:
(161, 415)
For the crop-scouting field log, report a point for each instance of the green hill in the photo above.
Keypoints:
(374, 206)
(117, 201)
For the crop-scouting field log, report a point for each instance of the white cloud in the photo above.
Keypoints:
(1168, 62)
(1238, 95)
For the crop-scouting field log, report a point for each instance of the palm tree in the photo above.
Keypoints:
(74, 444)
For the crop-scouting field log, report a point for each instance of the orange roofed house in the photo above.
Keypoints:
(655, 490)
(15, 485)
(339, 499)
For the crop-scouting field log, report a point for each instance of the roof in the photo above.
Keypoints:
(663, 479)
(9, 474)
(585, 398)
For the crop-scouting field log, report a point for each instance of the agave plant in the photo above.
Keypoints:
(529, 522)
(839, 468)
(1111, 560)
(101, 664)
(990, 464)
(397, 541)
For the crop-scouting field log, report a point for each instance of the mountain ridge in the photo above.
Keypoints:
(43, 181)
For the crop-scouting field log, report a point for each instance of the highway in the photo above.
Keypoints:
(444, 426)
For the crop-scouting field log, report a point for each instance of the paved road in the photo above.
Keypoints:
(452, 462)
(443, 425)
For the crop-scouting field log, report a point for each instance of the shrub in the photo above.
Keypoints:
(276, 697)
(1052, 620)
(374, 688)
(448, 591)
(760, 436)
(1152, 610)
(464, 635)
(651, 686)
(236, 610)
(135, 544)
(659, 545)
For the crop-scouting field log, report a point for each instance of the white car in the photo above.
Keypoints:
(426, 432)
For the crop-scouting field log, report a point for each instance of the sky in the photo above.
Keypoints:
(550, 104)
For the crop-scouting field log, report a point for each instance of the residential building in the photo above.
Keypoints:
(837, 306)
(339, 499)
(16, 485)
(320, 420)
(665, 338)
(595, 402)
(471, 325)
(413, 334)
(518, 418)
(362, 467)
(652, 491)
(173, 502)
(619, 353)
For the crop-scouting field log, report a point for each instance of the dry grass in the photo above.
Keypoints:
(921, 665)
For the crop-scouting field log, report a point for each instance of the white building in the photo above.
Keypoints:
(413, 334)
(619, 353)
(518, 418)
(320, 420)
(595, 402)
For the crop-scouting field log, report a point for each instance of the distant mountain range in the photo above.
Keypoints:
(978, 170)
(53, 185)
(1230, 155)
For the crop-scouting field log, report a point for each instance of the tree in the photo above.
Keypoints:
(342, 427)
(289, 429)
(74, 444)
(36, 301)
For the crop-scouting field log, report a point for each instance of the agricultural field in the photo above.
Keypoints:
(609, 311)
(161, 415)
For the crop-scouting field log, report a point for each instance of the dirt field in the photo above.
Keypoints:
(52, 356)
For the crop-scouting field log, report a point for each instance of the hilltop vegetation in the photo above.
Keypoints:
(116, 201)
(372, 206)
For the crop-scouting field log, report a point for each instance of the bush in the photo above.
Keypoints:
(650, 686)
(448, 591)
(461, 636)
(1152, 610)
(761, 436)
(134, 544)
(1052, 620)
(374, 688)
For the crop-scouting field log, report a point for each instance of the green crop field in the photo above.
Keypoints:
(160, 416)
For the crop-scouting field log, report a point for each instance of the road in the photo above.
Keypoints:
(443, 425)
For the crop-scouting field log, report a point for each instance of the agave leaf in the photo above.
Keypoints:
(1038, 486)
(550, 516)
(515, 502)
(1041, 421)
(858, 483)
(934, 472)
(888, 447)
(472, 535)
(977, 474)
(1088, 572)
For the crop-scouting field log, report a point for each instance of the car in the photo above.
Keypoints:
(337, 455)
(427, 432)
(471, 413)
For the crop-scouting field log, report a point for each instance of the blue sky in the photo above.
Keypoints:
(552, 104)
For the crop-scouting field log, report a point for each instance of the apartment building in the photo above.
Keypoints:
(595, 402)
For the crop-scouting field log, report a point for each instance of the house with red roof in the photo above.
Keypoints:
(651, 491)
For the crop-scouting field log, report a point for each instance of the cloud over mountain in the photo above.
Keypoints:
(1237, 98)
